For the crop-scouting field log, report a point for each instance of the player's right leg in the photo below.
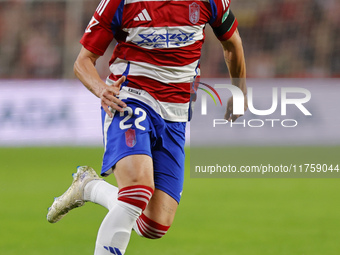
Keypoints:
(120, 141)
(168, 163)
(134, 175)
(128, 138)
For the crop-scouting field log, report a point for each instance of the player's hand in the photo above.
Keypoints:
(229, 116)
(108, 97)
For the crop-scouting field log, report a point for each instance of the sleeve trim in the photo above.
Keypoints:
(92, 49)
(227, 25)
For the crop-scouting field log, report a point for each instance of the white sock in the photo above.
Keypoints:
(115, 230)
(101, 192)
(104, 194)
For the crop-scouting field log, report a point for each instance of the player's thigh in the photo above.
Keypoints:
(134, 170)
(161, 208)
(168, 162)
(127, 138)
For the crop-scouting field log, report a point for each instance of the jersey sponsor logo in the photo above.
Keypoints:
(194, 13)
(91, 24)
(165, 40)
(143, 16)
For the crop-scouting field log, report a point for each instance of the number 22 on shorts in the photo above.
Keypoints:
(138, 111)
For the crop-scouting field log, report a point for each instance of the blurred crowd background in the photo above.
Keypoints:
(282, 38)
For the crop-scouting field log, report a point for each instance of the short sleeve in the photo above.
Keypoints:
(223, 21)
(102, 26)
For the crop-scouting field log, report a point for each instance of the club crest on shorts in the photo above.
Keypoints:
(194, 13)
(130, 137)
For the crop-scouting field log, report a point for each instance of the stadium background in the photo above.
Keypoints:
(47, 120)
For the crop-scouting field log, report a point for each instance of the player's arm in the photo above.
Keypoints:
(84, 69)
(234, 58)
(97, 37)
(224, 25)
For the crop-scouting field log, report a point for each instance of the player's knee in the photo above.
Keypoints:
(135, 170)
(150, 229)
(142, 180)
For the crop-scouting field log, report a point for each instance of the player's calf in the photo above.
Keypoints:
(148, 228)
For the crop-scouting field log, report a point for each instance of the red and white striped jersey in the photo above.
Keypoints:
(159, 46)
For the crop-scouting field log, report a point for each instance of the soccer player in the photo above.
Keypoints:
(145, 106)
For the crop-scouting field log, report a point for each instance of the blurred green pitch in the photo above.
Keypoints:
(216, 216)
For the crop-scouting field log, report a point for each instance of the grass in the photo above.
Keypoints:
(216, 216)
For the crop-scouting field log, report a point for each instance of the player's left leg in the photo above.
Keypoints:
(168, 161)
(157, 218)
